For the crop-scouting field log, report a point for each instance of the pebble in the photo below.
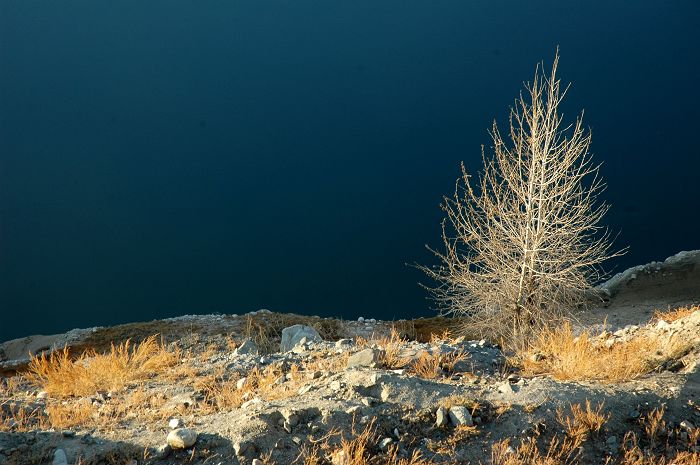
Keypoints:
(257, 462)
(59, 457)
(442, 417)
(459, 416)
(505, 388)
(175, 423)
(385, 443)
(181, 438)
(241, 447)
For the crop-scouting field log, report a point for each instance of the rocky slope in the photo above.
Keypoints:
(267, 388)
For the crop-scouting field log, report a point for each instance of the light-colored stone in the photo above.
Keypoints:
(59, 457)
(247, 347)
(241, 447)
(175, 423)
(364, 358)
(292, 335)
(181, 438)
(460, 416)
(257, 462)
(505, 388)
(385, 443)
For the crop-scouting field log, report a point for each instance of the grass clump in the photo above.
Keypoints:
(558, 353)
(669, 316)
(61, 375)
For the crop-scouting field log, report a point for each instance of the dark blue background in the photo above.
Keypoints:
(169, 157)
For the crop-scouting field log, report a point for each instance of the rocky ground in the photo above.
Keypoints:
(266, 388)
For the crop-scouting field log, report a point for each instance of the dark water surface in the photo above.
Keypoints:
(169, 157)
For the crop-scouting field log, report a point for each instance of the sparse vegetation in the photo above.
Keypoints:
(522, 248)
(671, 315)
(61, 375)
(558, 353)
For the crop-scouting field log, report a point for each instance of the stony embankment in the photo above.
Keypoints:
(239, 393)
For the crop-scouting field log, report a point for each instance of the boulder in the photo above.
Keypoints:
(292, 335)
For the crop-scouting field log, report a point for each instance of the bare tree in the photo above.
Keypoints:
(523, 247)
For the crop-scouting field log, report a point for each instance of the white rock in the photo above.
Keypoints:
(241, 383)
(292, 335)
(247, 347)
(257, 462)
(59, 457)
(364, 358)
(459, 415)
(361, 319)
(175, 423)
(505, 388)
(385, 443)
(181, 438)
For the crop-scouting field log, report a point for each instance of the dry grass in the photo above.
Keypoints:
(583, 420)
(558, 452)
(360, 449)
(633, 454)
(62, 376)
(69, 415)
(669, 316)
(567, 357)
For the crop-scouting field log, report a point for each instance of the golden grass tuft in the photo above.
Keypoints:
(567, 357)
(583, 420)
(62, 376)
(669, 316)
(528, 452)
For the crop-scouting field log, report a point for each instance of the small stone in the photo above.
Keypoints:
(364, 358)
(241, 447)
(290, 416)
(385, 443)
(442, 417)
(287, 427)
(241, 383)
(687, 426)
(634, 414)
(59, 457)
(361, 319)
(42, 395)
(343, 343)
(537, 357)
(459, 415)
(247, 347)
(175, 423)
(335, 385)
(162, 452)
(314, 374)
(505, 388)
(181, 438)
(257, 462)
